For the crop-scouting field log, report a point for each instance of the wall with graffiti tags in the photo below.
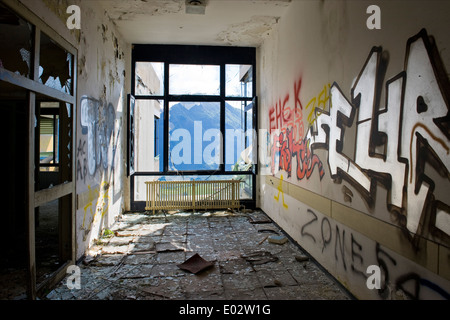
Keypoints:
(100, 150)
(355, 161)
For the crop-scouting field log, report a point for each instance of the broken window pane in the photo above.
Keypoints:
(52, 236)
(149, 79)
(16, 42)
(55, 65)
(239, 80)
(194, 79)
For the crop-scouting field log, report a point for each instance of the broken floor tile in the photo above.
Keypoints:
(112, 249)
(176, 257)
(170, 247)
(235, 266)
(259, 257)
(195, 264)
(256, 294)
(167, 270)
(107, 260)
(117, 241)
(240, 281)
(133, 272)
(207, 281)
(272, 272)
(139, 259)
(228, 255)
(143, 246)
(163, 288)
(271, 278)
(285, 293)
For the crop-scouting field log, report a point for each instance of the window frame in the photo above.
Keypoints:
(65, 192)
(193, 55)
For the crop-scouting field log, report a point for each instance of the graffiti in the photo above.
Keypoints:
(97, 123)
(81, 161)
(320, 103)
(335, 241)
(417, 104)
(420, 284)
(280, 191)
(287, 133)
(285, 148)
(283, 115)
(97, 204)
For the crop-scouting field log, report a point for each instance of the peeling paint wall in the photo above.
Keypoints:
(358, 140)
(101, 139)
(253, 32)
(100, 152)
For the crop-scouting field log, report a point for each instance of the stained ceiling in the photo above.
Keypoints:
(224, 22)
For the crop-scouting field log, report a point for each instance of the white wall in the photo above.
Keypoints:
(317, 49)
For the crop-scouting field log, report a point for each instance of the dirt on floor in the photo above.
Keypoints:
(245, 255)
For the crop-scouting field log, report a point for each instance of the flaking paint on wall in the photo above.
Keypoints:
(253, 31)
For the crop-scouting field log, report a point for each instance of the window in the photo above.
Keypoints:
(194, 116)
(38, 97)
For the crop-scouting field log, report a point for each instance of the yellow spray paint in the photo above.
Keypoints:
(97, 198)
(280, 191)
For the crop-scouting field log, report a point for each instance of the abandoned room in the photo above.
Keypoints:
(221, 149)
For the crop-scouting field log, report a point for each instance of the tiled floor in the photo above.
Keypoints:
(139, 261)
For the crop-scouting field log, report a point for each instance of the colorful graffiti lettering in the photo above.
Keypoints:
(285, 149)
(287, 133)
(320, 103)
(417, 104)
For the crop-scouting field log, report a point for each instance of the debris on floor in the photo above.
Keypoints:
(259, 257)
(278, 239)
(301, 258)
(195, 264)
(171, 257)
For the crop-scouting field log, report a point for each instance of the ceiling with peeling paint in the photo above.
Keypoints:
(225, 22)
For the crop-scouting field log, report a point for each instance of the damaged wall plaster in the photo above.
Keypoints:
(251, 32)
(128, 10)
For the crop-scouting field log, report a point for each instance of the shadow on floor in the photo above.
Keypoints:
(251, 261)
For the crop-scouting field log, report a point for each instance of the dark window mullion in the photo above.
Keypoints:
(222, 116)
(166, 117)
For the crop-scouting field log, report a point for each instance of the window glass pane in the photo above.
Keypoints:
(16, 40)
(239, 135)
(55, 65)
(149, 79)
(54, 132)
(239, 80)
(195, 139)
(48, 142)
(148, 148)
(194, 79)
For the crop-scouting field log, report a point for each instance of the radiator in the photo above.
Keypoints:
(186, 195)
